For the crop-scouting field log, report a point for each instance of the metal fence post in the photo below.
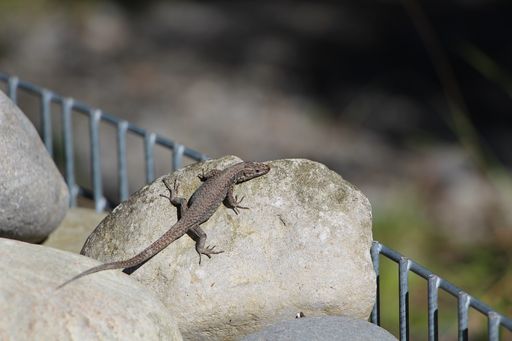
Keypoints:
(12, 89)
(493, 324)
(375, 253)
(46, 99)
(177, 155)
(433, 285)
(403, 293)
(122, 128)
(149, 143)
(69, 156)
(94, 121)
(463, 306)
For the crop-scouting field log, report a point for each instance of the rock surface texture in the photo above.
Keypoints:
(73, 231)
(33, 196)
(322, 328)
(302, 246)
(111, 306)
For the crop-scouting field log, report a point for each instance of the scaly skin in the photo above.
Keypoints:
(218, 187)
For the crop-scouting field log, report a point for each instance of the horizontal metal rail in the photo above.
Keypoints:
(435, 283)
(70, 106)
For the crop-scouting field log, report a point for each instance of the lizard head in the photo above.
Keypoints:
(250, 170)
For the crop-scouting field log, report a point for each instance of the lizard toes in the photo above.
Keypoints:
(235, 208)
(201, 176)
(165, 196)
(207, 251)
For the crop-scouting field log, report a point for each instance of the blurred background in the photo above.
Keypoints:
(411, 101)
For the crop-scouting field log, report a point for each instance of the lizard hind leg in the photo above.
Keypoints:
(201, 241)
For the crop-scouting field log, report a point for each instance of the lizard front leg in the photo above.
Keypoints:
(200, 241)
(210, 174)
(233, 202)
(174, 199)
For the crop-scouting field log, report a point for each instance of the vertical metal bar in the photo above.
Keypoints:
(99, 199)
(463, 305)
(375, 253)
(12, 89)
(403, 277)
(46, 114)
(493, 323)
(69, 157)
(177, 155)
(149, 143)
(433, 329)
(122, 127)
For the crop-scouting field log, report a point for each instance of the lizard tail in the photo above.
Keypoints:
(141, 257)
(149, 252)
(146, 254)
(107, 266)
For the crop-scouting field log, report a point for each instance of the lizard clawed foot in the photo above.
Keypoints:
(173, 191)
(207, 251)
(202, 175)
(236, 206)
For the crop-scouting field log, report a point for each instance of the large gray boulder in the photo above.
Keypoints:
(302, 246)
(112, 306)
(34, 197)
(322, 328)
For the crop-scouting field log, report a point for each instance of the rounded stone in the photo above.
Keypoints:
(303, 245)
(110, 306)
(322, 328)
(34, 197)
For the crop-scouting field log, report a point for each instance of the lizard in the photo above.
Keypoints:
(217, 188)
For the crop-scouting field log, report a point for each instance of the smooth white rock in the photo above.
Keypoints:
(107, 306)
(304, 245)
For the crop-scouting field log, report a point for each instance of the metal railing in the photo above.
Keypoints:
(69, 105)
(494, 319)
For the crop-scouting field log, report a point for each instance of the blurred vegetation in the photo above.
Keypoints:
(482, 269)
